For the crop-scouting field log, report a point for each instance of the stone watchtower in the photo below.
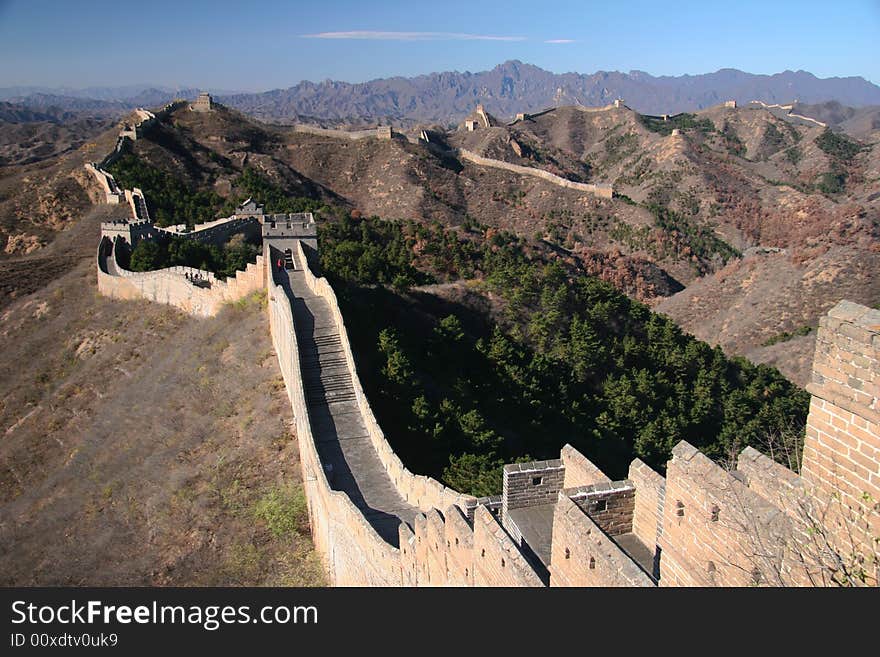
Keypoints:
(204, 103)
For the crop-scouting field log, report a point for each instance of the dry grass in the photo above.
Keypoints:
(140, 443)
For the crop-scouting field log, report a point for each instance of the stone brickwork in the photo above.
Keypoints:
(714, 527)
(498, 561)
(384, 133)
(204, 103)
(531, 484)
(285, 231)
(650, 498)
(176, 286)
(841, 456)
(583, 555)
(609, 504)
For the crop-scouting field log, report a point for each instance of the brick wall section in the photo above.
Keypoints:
(842, 444)
(846, 367)
(170, 286)
(459, 549)
(497, 559)
(609, 504)
(805, 561)
(650, 495)
(530, 484)
(579, 470)
(582, 555)
(353, 553)
(771, 480)
(717, 532)
(442, 550)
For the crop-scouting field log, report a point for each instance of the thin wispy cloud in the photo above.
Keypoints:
(410, 36)
(561, 41)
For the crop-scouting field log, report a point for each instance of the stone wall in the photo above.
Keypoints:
(531, 484)
(420, 491)
(600, 190)
(343, 134)
(716, 531)
(609, 504)
(171, 285)
(583, 555)
(353, 553)
(579, 470)
(498, 561)
(841, 458)
(112, 194)
(650, 487)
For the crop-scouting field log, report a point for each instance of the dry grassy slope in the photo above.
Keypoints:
(753, 300)
(138, 442)
(24, 143)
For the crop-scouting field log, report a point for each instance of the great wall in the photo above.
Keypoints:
(557, 523)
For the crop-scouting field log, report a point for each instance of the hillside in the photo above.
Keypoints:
(28, 135)
(483, 331)
(151, 446)
(730, 182)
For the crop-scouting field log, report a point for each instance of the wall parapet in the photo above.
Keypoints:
(354, 554)
(193, 290)
(420, 491)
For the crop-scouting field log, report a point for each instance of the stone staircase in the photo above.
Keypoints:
(338, 426)
(325, 376)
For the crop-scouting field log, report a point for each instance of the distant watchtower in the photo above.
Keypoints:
(204, 103)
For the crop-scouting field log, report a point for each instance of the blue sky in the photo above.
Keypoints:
(264, 44)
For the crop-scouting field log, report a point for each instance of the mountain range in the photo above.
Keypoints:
(505, 90)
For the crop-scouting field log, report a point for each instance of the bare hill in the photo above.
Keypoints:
(149, 445)
(693, 192)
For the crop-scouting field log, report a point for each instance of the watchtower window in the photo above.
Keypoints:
(714, 513)
(592, 563)
(600, 505)
(567, 553)
(537, 481)
(679, 509)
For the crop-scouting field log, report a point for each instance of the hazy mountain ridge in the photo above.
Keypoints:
(505, 90)
(514, 87)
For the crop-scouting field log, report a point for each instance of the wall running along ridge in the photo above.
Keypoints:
(600, 190)
(703, 525)
(171, 286)
(788, 109)
(420, 491)
(352, 551)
